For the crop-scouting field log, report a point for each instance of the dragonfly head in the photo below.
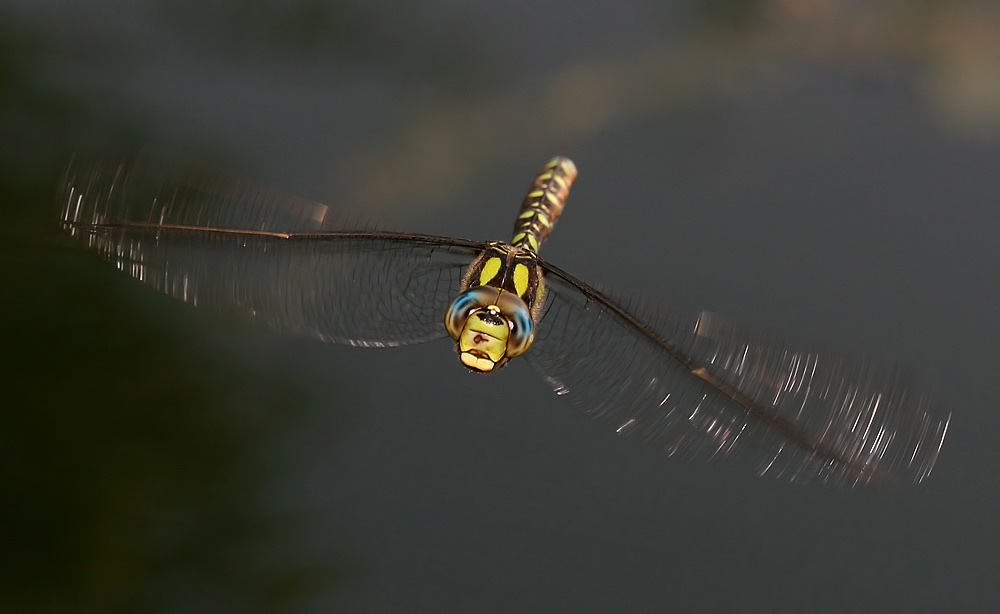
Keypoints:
(491, 326)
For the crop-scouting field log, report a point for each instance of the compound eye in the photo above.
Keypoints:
(522, 331)
(463, 306)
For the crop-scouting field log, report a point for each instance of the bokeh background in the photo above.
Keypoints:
(825, 169)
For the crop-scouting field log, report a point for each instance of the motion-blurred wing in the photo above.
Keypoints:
(225, 244)
(701, 388)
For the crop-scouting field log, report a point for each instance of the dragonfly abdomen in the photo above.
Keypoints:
(544, 203)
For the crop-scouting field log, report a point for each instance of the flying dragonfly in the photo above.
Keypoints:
(696, 387)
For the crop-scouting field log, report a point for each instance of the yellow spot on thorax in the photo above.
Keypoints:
(490, 270)
(520, 279)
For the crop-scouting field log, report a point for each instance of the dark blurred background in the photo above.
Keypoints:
(825, 169)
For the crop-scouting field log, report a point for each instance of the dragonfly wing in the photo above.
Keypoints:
(227, 245)
(701, 388)
(145, 188)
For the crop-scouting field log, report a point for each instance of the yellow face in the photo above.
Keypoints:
(483, 342)
(491, 326)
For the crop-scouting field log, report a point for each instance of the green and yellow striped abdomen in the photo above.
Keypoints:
(543, 204)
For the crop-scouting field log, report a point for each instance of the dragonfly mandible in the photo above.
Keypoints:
(695, 387)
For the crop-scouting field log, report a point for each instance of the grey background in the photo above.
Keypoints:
(827, 171)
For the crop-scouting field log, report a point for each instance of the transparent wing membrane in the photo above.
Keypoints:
(264, 256)
(143, 188)
(695, 387)
(700, 388)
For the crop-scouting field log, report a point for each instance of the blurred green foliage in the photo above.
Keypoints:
(131, 465)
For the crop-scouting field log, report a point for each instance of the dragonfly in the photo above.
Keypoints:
(695, 387)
